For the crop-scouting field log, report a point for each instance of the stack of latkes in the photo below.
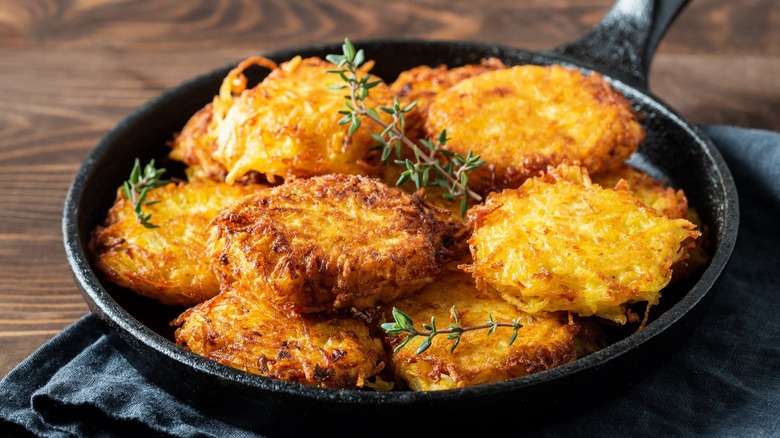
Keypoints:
(288, 245)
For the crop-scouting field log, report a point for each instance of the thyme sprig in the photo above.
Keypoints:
(432, 165)
(137, 187)
(403, 323)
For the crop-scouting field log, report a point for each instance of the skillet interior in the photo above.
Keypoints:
(673, 150)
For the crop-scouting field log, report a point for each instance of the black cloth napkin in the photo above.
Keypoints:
(724, 382)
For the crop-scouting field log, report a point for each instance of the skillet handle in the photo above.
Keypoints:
(622, 45)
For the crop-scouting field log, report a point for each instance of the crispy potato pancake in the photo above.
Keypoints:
(288, 126)
(423, 83)
(522, 119)
(665, 200)
(331, 241)
(168, 263)
(196, 142)
(545, 341)
(561, 243)
(237, 328)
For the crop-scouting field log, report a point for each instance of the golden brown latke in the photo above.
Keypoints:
(330, 241)
(522, 119)
(561, 243)
(196, 142)
(168, 263)
(423, 83)
(545, 341)
(239, 329)
(287, 126)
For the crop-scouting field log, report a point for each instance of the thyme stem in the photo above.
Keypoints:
(403, 323)
(453, 175)
(362, 111)
(137, 187)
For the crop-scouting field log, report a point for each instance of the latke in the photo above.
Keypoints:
(331, 241)
(288, 127)
(195, 144)
(238, 329)
(546, 340)
(522, 119)
(561, 243)
(168, 263)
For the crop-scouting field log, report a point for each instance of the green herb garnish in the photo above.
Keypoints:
(403, 323)
(428, 168)
(137, 187)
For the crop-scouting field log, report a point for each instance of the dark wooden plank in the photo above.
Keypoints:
(706, 26)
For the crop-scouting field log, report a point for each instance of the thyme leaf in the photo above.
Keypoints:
(137, 187)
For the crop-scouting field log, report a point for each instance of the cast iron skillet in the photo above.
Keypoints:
(621, 48)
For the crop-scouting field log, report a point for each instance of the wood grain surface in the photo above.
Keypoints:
(71, 69)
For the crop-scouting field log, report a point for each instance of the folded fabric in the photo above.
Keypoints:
(77, 385)
(724, 382)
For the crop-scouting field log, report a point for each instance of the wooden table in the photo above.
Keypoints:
(69, 71)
